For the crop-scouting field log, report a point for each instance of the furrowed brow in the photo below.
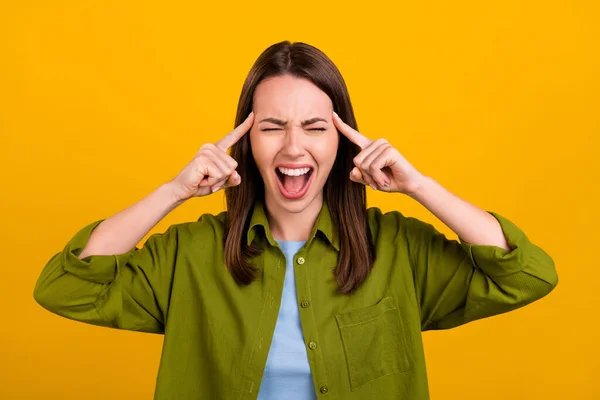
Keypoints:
(283, 123)
(274, 121)
(313, 120)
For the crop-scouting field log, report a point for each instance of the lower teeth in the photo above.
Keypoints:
(305, 178)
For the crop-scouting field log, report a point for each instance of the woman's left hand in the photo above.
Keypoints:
(379, 164)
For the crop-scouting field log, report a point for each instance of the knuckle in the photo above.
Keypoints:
(198, 162)
(204, 153)
(389, 150)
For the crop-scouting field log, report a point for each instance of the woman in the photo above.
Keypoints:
(298, 290)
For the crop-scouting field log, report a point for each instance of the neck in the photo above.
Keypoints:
(288, 225)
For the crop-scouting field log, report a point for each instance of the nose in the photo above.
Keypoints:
(293, 145)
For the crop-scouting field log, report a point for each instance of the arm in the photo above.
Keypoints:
(492, 269)
(121, 232)
(114, 283)
(470, 223)
(102, 279)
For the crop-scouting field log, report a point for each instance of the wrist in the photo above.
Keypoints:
(421, 187)
(171, 195)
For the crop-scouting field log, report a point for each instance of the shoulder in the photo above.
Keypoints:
(397, 225)
(390, 222)
(209, 228)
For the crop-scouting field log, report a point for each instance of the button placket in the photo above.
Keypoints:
(308, 323)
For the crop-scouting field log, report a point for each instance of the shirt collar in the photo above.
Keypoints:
(324, 224)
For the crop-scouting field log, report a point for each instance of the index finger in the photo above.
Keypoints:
(232, 137)
(355, 136)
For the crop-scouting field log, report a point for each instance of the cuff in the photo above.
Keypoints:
(95, 268)
(496, 261)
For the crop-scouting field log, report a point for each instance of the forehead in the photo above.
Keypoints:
(290, 96)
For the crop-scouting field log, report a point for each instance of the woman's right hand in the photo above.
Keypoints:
(212, 168)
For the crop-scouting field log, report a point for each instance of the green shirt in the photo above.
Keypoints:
(362, 346)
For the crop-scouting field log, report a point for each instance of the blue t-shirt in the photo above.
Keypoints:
(287, 373)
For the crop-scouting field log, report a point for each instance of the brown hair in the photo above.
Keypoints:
(346, 199)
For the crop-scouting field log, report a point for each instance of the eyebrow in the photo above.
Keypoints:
(283, 123)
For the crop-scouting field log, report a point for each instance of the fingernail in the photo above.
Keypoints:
(336, 114)
(216, 188)
(387, 183)
(373, 187)
(235, 176)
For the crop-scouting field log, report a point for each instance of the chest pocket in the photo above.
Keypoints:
(373, 341)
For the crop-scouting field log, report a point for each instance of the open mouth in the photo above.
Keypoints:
(294, 183)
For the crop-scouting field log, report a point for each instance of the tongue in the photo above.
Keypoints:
(293, 184)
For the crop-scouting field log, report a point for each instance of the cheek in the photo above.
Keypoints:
(261, 153)
(325, 151)
(331, 148)
(335, 142)
(255, 148)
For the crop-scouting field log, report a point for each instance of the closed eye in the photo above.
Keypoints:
(279, 129)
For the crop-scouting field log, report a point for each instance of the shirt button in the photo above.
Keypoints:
(300, 260)
(312, 345)
(324, 389)
(305, 304)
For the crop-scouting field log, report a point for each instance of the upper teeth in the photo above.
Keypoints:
(294, 171)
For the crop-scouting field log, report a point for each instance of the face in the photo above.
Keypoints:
(294, 141)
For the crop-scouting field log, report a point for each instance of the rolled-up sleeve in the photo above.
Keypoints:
(124, 291)
(457, 282)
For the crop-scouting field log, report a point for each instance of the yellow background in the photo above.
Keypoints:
(100, 102)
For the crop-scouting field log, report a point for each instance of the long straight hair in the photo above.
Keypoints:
(346, 199)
